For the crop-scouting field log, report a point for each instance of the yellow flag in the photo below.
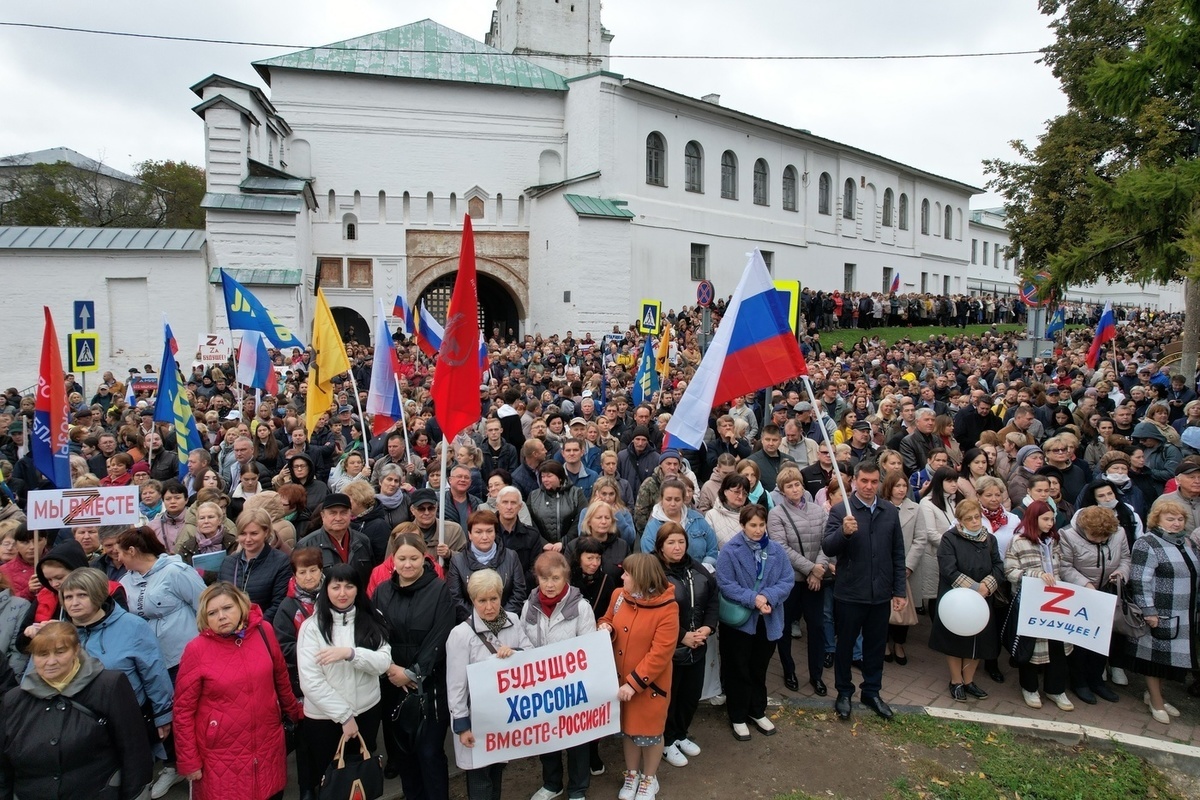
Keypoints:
(661, 364)
(329, 361)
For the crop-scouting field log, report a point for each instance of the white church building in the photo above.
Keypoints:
(588, 190)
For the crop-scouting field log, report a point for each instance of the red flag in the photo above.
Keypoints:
(455, 387)
(50, 445)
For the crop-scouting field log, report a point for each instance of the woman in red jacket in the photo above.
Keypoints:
(230, 698)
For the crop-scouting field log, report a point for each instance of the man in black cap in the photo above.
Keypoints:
(424, 507)
(861, 446)
(339, 544)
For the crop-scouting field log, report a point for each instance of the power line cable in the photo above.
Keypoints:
(579, 56)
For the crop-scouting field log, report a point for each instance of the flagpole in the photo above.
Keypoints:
(403, 422)
(442, 496)
(837, 473)
(362, 418)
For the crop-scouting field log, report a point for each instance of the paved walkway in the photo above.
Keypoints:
(923, 682)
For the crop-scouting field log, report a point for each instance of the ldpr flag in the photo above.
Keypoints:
(455, 387)
(246, 313)
(754, 347)
(329, 361)
(172, 405)
(645, 382)
(51, 442)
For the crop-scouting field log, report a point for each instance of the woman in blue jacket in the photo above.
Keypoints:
(754, 577)
(671, 507)
(120, 641)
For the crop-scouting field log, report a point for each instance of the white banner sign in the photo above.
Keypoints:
(76, 508)
(543, 700)
(214, 348)
(1067, 613)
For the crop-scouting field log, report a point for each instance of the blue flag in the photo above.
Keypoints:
(172, 403)
(1058, 321)
(246, 313)
(645, 383)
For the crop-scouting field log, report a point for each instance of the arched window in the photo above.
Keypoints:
(656, 160)
(693, 167)
(349, 227)
(729, 176)
(903, 212)
(789, 188)
(949, 232)
(925, 217)
(762, 177)
(848, 204)
(824, 188)
(887, 208)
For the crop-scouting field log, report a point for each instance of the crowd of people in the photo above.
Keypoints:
(291, 589)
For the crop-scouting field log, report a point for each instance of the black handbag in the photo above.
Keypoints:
(412, 711)
(1019, 647)
(357, 779)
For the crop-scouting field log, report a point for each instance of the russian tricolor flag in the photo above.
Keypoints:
(429, 333)
(254, 367)
(754, 347)
(1106, 331)
(402, 311)
(383, 399)
(896, 283)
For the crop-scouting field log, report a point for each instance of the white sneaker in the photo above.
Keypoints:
(1032, 699)
(647, 788)
(797, 630)
(166, 779)
(688, 748)
(1167, 707)
(630, 786)
(1062, 701)
(717, 700)
(674, 757)
(545, 794)
(1118, 676)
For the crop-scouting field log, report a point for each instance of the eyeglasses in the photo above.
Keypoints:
(1059, 449)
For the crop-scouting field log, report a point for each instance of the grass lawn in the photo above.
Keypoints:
(848, 337)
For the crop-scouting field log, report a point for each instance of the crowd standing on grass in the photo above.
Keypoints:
(343, 608)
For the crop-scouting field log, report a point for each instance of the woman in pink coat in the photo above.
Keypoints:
(230, 698)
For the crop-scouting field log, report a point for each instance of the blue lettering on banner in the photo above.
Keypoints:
(531, 706)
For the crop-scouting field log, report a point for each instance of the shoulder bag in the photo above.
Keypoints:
(1128, 621)
(736, 614)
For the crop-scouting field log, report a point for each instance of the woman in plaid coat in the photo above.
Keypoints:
(1163, 581)
(1035, 553)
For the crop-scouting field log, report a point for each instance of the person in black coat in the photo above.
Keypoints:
(870, 583)
(256, 568)
(968, 557)
(370, 518)
(522, 539)
(485, 551)
(72, 728)
(419, 613)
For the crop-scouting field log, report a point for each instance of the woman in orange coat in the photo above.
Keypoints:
(644, 624)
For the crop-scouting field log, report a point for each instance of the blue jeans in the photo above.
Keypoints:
(830, 636)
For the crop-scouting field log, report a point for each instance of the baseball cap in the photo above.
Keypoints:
(779, 407)
(345, 409)
(578, 421)
(1187, 468)
(423, 497)
(862, 425)
(336, 500)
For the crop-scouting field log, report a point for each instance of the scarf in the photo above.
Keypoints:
(548, 604)
(391, 502)
(997, 519)
(971, 536)
(1046, 546)
(203, 544)
(482, 557)
(759, 549)
(150, 512)
(496, 625)
(58, 686)
(1176, 539)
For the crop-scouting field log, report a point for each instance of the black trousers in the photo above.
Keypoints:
(421, 758)
(849, 620)
(579, 776)
(804, 603)
(744, 661)
(898, 633)
(169, 742)
(687, 681)
(321, 737)
(1055, 673)
(1086, 668)
(485, 783)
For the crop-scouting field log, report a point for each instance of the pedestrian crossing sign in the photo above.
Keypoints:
(84, 351)
(650, 318)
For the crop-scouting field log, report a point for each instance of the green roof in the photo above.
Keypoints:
(259, 277)
(145, 239)
(598, 207)
(423, 50)
(262, 185)
(280, 204)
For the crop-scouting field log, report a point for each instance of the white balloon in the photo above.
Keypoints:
(963, 611)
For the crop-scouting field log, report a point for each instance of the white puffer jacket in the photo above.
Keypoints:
(343, 689)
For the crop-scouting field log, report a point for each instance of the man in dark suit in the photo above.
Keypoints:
(870, 583)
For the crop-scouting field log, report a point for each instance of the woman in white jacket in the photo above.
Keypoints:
(341, 650)
(491, 631)
(556, 612)
(935, 516)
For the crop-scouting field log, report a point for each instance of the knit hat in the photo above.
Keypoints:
(641, 430)
(1026, 451)
(670, 452)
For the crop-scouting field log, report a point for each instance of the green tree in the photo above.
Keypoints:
(1110, 190)
(37, 196)
(178, 188)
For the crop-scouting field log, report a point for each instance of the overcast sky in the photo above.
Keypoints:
(125, 100)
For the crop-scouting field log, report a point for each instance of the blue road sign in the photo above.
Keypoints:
(85, 315)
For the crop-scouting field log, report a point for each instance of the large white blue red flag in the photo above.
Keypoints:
(383, 399)
(754, 347)
(254, 367)
(1106, 331)
(429, 332)
(402, 311)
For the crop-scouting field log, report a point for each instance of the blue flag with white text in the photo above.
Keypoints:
(1058, 321)
(645, 383)
(246, 313)
(172, 405)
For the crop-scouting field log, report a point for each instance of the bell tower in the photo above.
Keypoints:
(564, 36)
